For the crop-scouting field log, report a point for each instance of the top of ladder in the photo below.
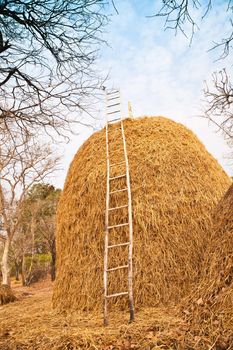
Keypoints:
(113, 106)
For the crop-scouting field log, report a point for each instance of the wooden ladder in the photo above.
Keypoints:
(113, 109)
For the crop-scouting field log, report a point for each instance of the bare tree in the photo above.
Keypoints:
(47, 54)
(23, 242)
(180, 15)
(19, 246)
(219, 103)
(22, 163)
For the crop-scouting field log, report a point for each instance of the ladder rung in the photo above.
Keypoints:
(118, 268)
(122, 190)
(120, 225)
(118, 245)
(113, 98)
(120, 207)
(115, 104)
(113, 92)
(117, 177)
(114, 120)
(123, 162)
(117, 294)
(112, 113)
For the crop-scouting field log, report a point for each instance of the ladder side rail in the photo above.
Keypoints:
(129, 266)
(106, 231)
(130, 221)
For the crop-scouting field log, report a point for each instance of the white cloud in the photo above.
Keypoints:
(162, 75)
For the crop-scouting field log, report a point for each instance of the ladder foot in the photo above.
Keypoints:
(131, 314)
(131, 319)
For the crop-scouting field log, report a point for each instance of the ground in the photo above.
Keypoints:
(30, 323)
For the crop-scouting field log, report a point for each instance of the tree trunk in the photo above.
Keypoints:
(23, 270)
(29, 273)
(53, 261)
(5, 263)
(17, 268)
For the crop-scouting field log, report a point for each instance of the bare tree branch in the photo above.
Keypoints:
(179, 12)
(226, 44)
(219, 103)
(47, 55)
(180, 15)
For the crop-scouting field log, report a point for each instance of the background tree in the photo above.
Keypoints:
(47, 54)
(47, 221)
(181, 15)
(23, 246)
(219, 103)
(22, 164)
(36, 231)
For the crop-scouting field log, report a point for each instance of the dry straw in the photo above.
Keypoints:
(175, 185)
(29, 324)
(209, 308)
(6, 294)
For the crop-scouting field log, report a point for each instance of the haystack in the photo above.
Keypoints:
(211, 302)
(175, 185)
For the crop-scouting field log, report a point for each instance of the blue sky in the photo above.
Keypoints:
(159, 72)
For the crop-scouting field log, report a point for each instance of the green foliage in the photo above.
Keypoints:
(39, 260)
(39, 210)
(36, 267)
(44, 197)
(42, 191)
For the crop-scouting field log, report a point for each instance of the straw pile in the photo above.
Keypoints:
(30, 324)
(175, 185)
(6, 295)
(210, 306)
